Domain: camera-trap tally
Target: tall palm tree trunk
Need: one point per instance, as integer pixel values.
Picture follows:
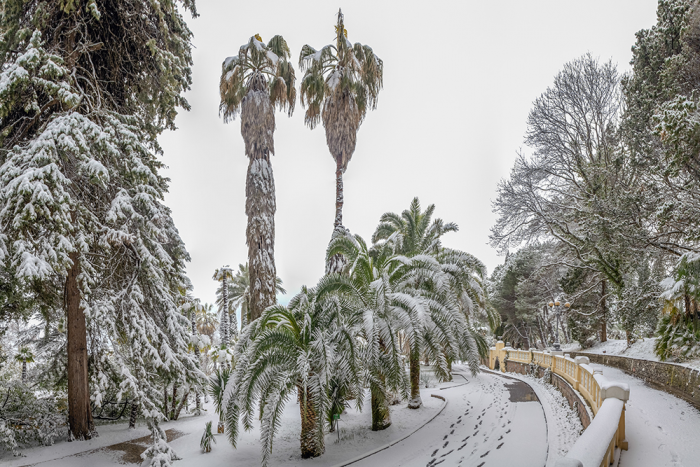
(337, 263)
(260, 234)
(198, 406)
(414, 369)
(338, 195)
(80, 420)
(311, 444)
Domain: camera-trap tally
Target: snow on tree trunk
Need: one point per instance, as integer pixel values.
(311, 444)
(337, 263)
(416, 400)
(24, 371)
(174, 404)
(224, 310)
(257, 128)
(80, 421)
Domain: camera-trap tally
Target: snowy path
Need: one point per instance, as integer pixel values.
(662, 430)
(488, 422)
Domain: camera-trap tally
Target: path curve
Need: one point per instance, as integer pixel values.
(489, 422)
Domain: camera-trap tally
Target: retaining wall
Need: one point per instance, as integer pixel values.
(680, 381)
(575, 400)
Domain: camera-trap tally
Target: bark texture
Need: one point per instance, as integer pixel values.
(604, 317)
(225, 332)
(80, 420)
(312, 445)
(134, 414)
(381, 417)
(257, 128)
(415, 401)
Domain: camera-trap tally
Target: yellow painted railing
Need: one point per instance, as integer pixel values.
(606, 399)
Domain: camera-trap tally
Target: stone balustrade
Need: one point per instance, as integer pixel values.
(606, 433)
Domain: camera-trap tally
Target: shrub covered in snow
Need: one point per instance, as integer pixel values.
(26, 419)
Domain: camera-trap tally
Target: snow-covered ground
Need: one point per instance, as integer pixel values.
(643, 349)
(488, 421)
(563, 425)
(356, 437)
(662, 430)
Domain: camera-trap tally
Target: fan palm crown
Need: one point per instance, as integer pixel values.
(341, 82)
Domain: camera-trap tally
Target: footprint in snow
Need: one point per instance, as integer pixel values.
(445, 445)
(481, 465)
(452, 432)
(485, 454)
(508, 431)
(444, 438)
(499, 446)
(466, 438)
(461, 447)
(447, 453)
(434, 452)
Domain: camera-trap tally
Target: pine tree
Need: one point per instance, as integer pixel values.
(82, 198)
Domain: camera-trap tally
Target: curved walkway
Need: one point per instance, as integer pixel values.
(488, 422)
(662, 430)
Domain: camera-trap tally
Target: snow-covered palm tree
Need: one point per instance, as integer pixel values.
(252, 83)
(449, 281)
(341, 82)
(383, 305)
(224, 275)
(291, 351)
(24, 356)
(239, 296)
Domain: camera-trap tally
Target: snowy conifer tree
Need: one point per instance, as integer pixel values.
(81, 200)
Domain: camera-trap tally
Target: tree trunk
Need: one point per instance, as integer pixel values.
(604, 318)
(312, 445)
(225, 331)
(80, 420)
(415, 401)
(337, 263)
(134, 414)
(260, 234)
(381, 417)
(180, 405)
(165, 401)
(338, 195)
(198, 407)
(174, 404)
(24, 372)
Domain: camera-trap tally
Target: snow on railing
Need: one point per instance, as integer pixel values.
(597, 445)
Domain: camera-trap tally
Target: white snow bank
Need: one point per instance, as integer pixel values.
(641, 349)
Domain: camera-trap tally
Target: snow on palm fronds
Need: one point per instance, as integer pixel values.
(259, 78)
(260, 67)
(291, 351)
(451, 281)
(341, 82)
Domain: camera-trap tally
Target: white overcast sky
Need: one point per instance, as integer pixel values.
(459, 81)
